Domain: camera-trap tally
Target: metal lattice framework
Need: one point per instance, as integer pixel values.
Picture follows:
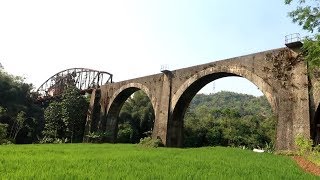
(83, 78)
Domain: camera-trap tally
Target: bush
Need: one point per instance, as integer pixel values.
(97, 137)
(49, 140)
(125, 133)
(3, 133)
(149, 142)
(269, 147)
(304, 145)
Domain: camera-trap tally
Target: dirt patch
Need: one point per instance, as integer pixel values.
(307, 166)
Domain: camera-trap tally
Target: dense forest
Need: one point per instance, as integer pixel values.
(21, 120)
(224, 118)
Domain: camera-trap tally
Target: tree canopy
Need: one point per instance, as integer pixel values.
(307, 15)
(65, 118)
(18, 112)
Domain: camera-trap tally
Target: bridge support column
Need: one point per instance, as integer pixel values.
(92, 114)
(293, 109)
(163, 109)
(293, 120)
(111, 128)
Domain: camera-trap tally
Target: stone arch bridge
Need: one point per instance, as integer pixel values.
(280, 74)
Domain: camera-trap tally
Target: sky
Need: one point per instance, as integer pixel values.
(133, 38)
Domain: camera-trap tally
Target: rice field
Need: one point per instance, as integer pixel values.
(127, 161)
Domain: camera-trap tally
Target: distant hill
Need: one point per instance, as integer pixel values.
(243, 103)
(229, 119)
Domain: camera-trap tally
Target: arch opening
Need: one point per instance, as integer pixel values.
(221, 118)
(130, 116)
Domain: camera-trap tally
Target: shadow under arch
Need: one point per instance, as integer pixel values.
(189, 89)
(316, 128)
(115, 106)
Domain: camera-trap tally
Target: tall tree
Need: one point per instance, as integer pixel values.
(65, 118)
(54, 126)
(18, 124)
(74, 108)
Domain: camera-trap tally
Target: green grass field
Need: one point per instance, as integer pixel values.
(125, 161)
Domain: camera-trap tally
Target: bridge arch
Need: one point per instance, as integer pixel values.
(116, 102)
(186, 92)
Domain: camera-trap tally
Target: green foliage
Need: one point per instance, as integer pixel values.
(127, 161)
(47, 140)
(65, 119)
(269, 147)
(136, 118)
(54, 126)
(125, 133)
(97, 137)
(150, 143)
(307, 15)
(303, 144)
(17, 109)
(74, 108)
(311, 49)
(18, 124)
(229, 119)
(3, 133)
(305, 149)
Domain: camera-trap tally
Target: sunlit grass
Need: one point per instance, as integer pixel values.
(125, 161)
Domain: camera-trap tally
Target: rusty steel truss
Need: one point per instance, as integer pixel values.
(84, 79)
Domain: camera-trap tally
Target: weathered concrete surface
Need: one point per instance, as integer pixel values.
(280, 74)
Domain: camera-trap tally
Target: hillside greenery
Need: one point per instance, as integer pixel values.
(229, 119)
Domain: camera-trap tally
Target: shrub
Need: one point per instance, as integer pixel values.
(269, 147)
(149, 142)
(97, 137)
(3, 132)
(48, 140)
(317, 148)
(304, 145)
